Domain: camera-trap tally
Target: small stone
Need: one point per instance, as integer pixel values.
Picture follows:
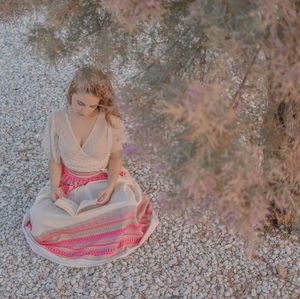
(288, 250)
(176, 292)
(227, 294)
(228, 246)
(143, 288)
(60, 284)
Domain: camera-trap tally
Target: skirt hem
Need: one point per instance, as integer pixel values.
(79, 262)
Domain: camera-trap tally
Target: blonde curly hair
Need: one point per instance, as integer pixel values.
(89, 79)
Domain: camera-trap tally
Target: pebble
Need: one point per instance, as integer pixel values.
(288, 250)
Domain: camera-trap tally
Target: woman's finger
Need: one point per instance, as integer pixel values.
(54, 197)
(62, 193)
(102, 199)
(105, 199)
(101, 194)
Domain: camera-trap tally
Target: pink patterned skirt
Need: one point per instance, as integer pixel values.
(69, 180)
(95, 237)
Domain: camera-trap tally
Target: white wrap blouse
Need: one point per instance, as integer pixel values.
(59, 142)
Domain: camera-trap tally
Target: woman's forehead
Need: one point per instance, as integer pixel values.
(87, 98)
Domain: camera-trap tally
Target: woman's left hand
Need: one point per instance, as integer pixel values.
(105, 195)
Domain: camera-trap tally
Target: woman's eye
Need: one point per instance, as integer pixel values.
(80, 103)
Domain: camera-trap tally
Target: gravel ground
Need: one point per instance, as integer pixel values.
(179, 260)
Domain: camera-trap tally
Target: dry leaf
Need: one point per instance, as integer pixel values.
(282, 271)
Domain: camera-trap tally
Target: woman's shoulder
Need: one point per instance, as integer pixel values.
(58, 115)
(116, 121)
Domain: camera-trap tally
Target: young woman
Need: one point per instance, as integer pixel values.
(84, 142)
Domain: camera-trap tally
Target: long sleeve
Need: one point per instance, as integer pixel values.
(118, 135)
(50, 140)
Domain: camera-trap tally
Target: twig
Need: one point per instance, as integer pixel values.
(235, 101)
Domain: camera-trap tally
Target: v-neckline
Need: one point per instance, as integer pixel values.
(72, 132)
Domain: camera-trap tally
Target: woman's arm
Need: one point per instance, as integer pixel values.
(114, 167)
(55, 173)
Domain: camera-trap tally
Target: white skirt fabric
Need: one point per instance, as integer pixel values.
(94, 237)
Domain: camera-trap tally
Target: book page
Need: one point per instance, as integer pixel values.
(68, 205)
(88, 204)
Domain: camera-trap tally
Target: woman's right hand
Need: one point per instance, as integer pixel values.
(57, 193)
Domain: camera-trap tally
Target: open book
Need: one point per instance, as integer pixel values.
(73, 208)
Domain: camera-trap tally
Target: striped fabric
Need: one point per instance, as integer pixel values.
(69, 179)
(100, 236)
(94, 238)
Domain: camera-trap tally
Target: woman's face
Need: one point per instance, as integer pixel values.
(84, 104)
